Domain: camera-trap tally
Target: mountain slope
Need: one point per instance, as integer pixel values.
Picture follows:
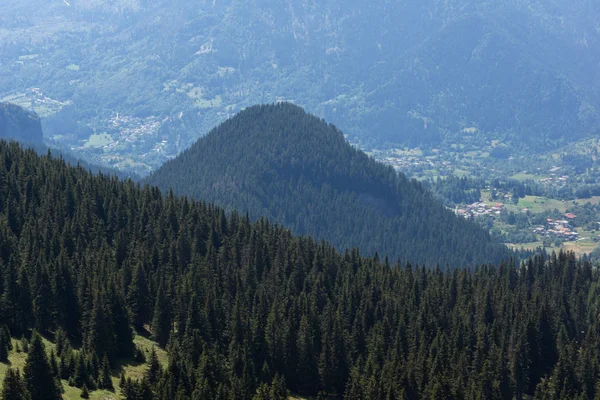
(19, 124)
(404, 72)
(279, 162)
(246, 310)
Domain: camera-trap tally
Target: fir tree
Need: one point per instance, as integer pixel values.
(161, 320)
(105, 378)
(13, 387)
(84, 392)
(154, 369)
(138, 298)
(37, 373)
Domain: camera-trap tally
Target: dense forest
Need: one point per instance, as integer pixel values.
(248, 311)
(19, 124)
(279, 162)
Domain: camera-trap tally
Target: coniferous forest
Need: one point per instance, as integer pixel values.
(246, 310)
(279, 162)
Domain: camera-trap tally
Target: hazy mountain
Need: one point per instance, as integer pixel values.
(278, 162)
(19, 124)
(133, 82)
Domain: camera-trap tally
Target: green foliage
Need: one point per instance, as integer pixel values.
(276, 161)
(40, 382)
(5, 343)
(84, 393)
(105, 380)
(13, 387)
(255, 312)
(161, 320)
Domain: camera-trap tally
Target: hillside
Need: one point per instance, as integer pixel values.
(134, 82)
(247, 311)
(278, 162)
(19, 124)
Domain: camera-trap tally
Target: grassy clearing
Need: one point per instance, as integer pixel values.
(72, 393)
(521, 176)
(591, 200)
(580, 247)
(131, 369)
(541, 204)
(98, 140)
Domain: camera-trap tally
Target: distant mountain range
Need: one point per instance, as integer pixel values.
(131, 82)
(276, 161)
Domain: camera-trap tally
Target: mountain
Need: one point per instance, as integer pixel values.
(242, 310)
(134, 82)
(278, 162)
(19, 124)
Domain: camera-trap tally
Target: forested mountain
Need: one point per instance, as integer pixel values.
(248, 311)
(19, 124)
(278, 162)
(133, 82)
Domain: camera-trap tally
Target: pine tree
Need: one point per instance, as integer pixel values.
(13, 387)
(24, 313)
(105, 379)
(4, 347)
(62, 341)
(80, 373)
(42, 299)
(122, 380)
(100, 337)
(161, 321)
(84, 392)
(138, 298)
(154, 369)
(37, 373)
(122, 326)
(278, 389)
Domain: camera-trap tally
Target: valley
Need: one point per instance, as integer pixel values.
(529, 188)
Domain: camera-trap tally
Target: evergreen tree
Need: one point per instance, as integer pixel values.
(84, 392)
(13, 387)
(37, 373)
(4, 347)
(154, 369)
(161, 320)
(105, 378)
(138, 298)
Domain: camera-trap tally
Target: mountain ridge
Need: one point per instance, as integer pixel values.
(279, 162)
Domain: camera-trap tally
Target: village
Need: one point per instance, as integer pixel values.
(558, 229)
(132, 129)
(480, 209)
